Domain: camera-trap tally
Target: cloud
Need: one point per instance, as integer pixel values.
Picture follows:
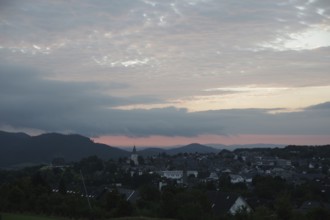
(76, 65)
(321, 106)
(30, 101)
(311, 38)
(110, 37)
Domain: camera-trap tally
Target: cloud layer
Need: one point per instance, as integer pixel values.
(168, 68)
(30, 101)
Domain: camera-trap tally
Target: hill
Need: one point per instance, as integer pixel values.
(210, 148)
(192, 148)
(151, 151)
(21, 149)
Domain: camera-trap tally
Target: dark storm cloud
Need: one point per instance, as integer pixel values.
(28, 100)
(262, 121)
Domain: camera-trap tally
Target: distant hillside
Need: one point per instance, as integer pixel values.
(211, 148)
(20, 148)
(243, 146)
(148, 152)
(191, 148)
(257, 146)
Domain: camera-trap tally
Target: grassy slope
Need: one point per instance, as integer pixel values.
(140, 218)
(9, 216)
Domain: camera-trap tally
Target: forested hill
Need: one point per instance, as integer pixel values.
(293, 151)
(22, 149)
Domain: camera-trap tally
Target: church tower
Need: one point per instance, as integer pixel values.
(134, 156)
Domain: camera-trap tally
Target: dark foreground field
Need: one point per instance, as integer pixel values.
(9, 216)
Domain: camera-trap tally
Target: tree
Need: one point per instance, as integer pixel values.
(15, 198)
(318, 214)
(62, 186)
(90, 165)
(224, 182)
(283, 207)
(263, 213)
(169, 205)
(141, 160)
(112, 200)
(243, 214)
(124, 208)
(267, 187)
(111, 166)
(191, 211)
(38, 180)
(149, 193)
(149, 202)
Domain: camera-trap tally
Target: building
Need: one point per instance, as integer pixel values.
(236, 178)
(134, 156)
(180, 176)
(227, 203)
(172, 174)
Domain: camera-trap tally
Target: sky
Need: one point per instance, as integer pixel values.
(167, 72)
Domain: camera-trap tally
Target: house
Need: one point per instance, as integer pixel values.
(178, 174)
(309, 205)
(161, 185)
(130, 195)
(213, 176)
(192, 173)
(248, 177)
(283, 163)
(227, 203)
(236, 178)
(172, 174)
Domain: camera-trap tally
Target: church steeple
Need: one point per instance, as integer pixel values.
(134, 156)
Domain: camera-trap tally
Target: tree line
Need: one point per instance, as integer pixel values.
(31, 190)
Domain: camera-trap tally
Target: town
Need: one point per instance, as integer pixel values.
(260, 183)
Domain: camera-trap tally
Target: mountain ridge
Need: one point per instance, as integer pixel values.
(21, 148)
(16, 148)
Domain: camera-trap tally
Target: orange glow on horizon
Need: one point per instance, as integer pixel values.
(162, 141)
